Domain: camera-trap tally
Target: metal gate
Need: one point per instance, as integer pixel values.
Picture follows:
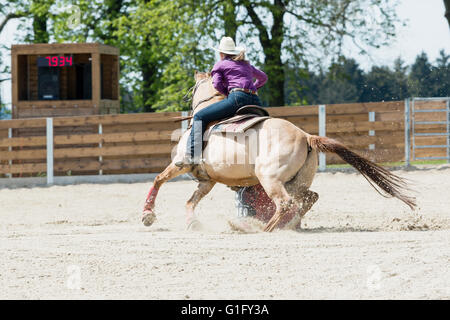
(438, 128)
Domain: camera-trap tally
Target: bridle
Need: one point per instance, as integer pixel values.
(194, 90)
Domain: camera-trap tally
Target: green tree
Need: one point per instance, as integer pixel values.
(420, 78)
(447, 10)
(25, 10)
(4, 112)
(301, 31)
(40, 14)
(385, 84)
(83, 20)
(342, 82)
(400, 91)
(160, 41)
(380, 85)
(12, 9)
(298, 85)
(440, 76)
(229, 18)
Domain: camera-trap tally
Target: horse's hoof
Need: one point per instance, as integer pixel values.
(194, 225)
(148, 218)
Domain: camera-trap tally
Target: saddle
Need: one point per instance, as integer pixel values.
(244, 118)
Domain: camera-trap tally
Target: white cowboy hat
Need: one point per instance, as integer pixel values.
(227, 46)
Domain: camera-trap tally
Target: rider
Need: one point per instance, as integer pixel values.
(232, 76)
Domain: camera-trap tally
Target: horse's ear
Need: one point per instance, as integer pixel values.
(209, 74)
(196, 74)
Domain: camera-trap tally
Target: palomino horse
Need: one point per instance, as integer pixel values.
(285, 166)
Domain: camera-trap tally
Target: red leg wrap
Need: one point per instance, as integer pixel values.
(150, 202)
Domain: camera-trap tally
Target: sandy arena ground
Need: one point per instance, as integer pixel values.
(87, 242)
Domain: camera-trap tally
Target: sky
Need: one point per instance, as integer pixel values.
(426, 31)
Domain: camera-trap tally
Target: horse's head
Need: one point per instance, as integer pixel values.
(201, 75)
(204, 93)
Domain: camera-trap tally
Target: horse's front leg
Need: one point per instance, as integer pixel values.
(172, 171)
(203, 189)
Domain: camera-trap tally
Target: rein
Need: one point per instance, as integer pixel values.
(204, 100)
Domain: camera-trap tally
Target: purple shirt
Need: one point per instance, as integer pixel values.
(228, 74)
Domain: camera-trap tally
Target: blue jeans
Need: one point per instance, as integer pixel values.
(219, 110)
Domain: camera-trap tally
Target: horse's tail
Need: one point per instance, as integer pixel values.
(386, 180)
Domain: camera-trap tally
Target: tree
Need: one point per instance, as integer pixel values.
(380, 85)
(343, 83)
(298, 86)
(10, 12)
(159, 44)
(160, 41)
(40, 15)
(229, 18)
(420, 80)
(440, 76)
(400, 91)
(4, 112)
(36, 10)
(301, 31)
(84, 20)
(447, 10)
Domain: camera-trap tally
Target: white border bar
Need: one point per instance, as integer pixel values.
(49, 151)
(185, 123)
(407, 132)
(322, 133)
(10, 135)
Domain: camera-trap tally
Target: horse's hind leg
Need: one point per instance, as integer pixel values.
(307, 201)
(203, 188)
(169, 173)
(284, 202)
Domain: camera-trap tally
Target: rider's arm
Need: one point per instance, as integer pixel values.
(218, 79)
(261, 77)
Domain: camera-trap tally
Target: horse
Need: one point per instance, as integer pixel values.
(284, 164)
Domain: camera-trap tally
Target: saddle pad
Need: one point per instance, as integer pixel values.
(237, 124)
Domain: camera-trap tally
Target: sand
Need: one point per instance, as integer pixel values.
(87, 242)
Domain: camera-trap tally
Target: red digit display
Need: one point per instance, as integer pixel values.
(55, 61)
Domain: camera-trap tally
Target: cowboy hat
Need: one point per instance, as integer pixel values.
(227, 46)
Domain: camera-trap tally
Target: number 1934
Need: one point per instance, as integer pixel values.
(59, 61)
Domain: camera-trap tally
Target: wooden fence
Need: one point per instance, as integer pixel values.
(134, 143)
(142, 143)
(375, 130)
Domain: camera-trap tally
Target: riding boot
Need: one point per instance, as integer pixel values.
(187, 161)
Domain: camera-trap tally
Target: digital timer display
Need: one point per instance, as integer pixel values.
(54, 61)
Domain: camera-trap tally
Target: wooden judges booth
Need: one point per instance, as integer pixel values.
(76, 79)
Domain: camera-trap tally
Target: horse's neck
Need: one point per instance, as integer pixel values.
(205, 93)
(208, 103)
